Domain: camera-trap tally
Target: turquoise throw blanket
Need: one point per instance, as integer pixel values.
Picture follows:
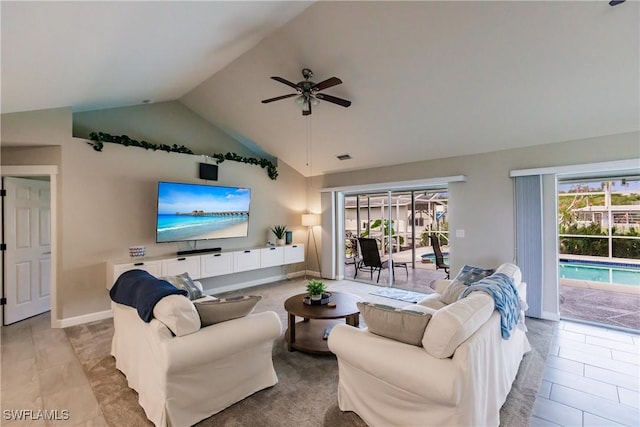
(504, 293)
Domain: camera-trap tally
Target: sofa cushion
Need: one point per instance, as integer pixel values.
(453, 324)
(420, 309)
(221, 310)
(405, 325)
(183, 281)
(439, 285)
(512, 271)
(452, 292)
(178, 314)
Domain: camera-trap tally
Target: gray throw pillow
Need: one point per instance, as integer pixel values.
(183, 281)
(467, 275)
(221, 310)
(402, 325)
(470, 274)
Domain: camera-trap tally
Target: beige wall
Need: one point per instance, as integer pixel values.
(107, 200)
(42, 127)
(179, 125)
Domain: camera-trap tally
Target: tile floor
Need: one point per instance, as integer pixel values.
(40, 371)
(592, 377)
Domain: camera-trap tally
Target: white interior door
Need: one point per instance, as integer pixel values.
(27, 231)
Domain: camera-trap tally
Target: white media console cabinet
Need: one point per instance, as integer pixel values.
(212, 264)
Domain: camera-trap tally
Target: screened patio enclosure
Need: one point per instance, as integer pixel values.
(401, 223)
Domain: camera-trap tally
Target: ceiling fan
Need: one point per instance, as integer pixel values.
(307, 92)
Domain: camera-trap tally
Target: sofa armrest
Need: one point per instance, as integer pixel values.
(405, 366)
(222, 339)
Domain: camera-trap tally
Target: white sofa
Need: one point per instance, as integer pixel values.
(181, 380)
(460, 376)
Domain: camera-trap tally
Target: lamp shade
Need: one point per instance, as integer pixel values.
(309, 220)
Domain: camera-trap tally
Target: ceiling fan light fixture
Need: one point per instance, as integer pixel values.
(308, 92)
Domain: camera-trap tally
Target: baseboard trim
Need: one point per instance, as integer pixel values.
(252, 283)
(79, 320)
(314, 274)
(547, 315)
(295, 274)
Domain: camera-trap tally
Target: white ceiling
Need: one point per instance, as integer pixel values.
(427, 79)
(93, 55)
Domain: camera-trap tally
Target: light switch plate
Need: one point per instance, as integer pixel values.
(460, 234)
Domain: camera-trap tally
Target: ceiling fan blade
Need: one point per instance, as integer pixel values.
(333, 99)
(278, 98)
(333, 81)
(287, 82)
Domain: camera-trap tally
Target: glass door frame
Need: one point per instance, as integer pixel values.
(388, 216)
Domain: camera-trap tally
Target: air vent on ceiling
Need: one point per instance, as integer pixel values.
(343, 157)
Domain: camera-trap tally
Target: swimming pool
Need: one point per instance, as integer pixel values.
(603, 272)
(432, 257)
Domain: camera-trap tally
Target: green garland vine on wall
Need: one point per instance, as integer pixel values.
(99, 138)
(272, 170)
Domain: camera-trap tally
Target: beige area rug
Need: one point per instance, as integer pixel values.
(306, 392)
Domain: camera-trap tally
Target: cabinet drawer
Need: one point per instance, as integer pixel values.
(270, 257)
(216, 264)
(175, 266)
(246, 260)
(152, 267)
(294, 253)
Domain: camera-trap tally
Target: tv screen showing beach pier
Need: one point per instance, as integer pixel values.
(200, 212)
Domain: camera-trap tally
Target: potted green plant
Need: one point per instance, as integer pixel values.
(316, 289)
(280, 232)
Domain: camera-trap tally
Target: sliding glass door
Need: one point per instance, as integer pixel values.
(400, 222)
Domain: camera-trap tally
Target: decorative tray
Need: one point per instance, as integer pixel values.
(325, 299)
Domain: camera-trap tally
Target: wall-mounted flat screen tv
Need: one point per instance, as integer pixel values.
(201, 212)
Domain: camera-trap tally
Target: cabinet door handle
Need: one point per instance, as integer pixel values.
(217, 255)
(181, 259)
(247, 252)
(137, 264)
(272, 249)
(294, 246)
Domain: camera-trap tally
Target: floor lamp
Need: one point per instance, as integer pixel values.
(310, 221)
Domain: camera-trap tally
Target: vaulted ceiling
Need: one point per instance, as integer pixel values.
(427, 80)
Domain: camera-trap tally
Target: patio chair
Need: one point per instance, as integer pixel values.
(440, 264)
(353, 245)
(370, 259)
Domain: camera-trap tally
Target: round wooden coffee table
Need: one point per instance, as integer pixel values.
(307, 335)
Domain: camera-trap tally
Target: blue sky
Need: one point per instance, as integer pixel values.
(632, 186)
(176, 197)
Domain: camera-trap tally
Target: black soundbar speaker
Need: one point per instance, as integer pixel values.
(208, 172)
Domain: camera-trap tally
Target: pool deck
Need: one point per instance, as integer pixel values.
(600, 259)
(617, 309)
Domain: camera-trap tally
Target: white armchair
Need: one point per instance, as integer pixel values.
(459, 376)
(181, 380)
